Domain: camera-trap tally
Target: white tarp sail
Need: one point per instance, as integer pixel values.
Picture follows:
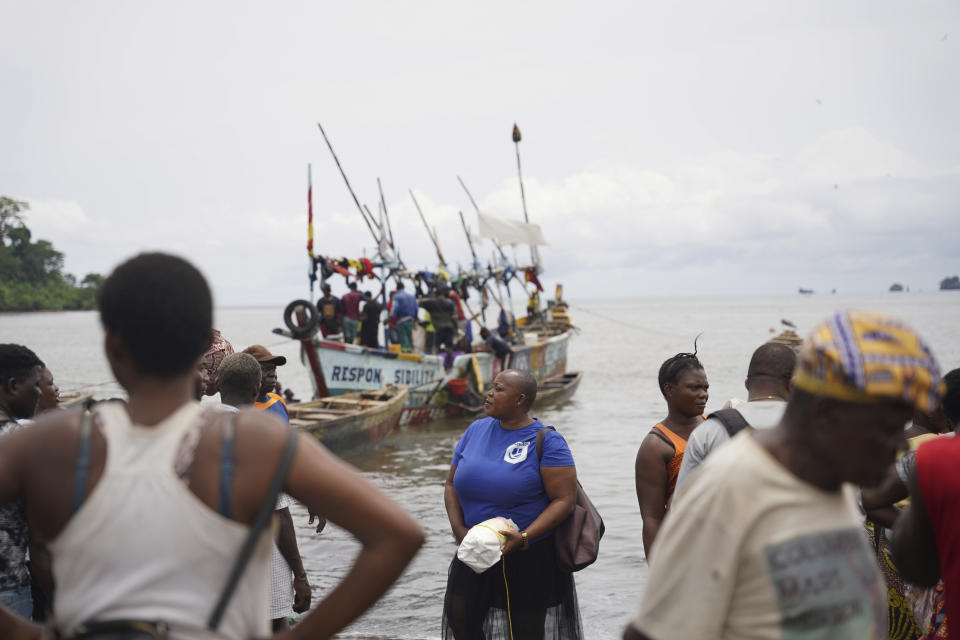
(510, 232)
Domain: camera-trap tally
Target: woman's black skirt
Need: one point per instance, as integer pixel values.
(542, 599)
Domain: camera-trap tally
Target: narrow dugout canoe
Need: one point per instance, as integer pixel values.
(557, 389)
(351, 420)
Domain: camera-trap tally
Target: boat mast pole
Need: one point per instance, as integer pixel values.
(347, 182)
(466, 231)
(495, 243)
(523, 198)
(386, 215)
(476, 267)
(432, 234)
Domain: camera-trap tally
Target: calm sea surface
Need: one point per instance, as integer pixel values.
(620, 347)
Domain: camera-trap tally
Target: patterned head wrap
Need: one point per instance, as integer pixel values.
(219, 349)
(857, 356)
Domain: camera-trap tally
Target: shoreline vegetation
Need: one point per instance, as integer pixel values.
(31, 271)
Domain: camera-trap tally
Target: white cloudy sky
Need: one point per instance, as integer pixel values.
(694, 147)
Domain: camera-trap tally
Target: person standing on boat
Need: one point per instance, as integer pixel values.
(267, 400)
(496, 472)
(443, 317)
(768, 387)
(500, 348)
(145, 505)
(370, 328)
(683, 383)
(239, 384)
(767, 542)
(351, 313)
(331, 312)
(463, 323)
(21, 372)
(404, 314)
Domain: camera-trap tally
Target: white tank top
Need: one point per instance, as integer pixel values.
(142, 546)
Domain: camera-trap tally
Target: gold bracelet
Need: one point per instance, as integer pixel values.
(526, 541)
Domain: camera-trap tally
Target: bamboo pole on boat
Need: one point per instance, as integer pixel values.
(386, 215)
(346, 181)
(432, 234)
(534, 256)
(494, 240)
(466, 231)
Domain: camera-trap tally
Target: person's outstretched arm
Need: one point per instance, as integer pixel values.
(287, 545)
(914, 546)
(390, 537)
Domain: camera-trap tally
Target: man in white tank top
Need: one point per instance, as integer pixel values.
(145, 513)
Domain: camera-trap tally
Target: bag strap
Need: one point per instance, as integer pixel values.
(226, 464)
(83, 463)
(540, 435)
(731, 419)
(259, 523)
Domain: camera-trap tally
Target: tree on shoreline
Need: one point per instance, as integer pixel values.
(31, 272)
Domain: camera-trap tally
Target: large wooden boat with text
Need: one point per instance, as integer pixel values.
(434, 391)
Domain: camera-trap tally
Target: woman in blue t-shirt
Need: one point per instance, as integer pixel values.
(496, 472)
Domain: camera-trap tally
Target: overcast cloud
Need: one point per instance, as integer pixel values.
(669, 148)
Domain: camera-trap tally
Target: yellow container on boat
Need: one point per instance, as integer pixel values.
(395, 348)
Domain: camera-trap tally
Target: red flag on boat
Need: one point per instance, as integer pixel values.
(309, 211)
(516, 132)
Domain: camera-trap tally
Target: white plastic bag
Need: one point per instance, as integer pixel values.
(480, 548)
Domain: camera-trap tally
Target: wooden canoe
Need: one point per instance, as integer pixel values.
(351, 420)
(557, 389)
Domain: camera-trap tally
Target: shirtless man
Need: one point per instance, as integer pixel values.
(683, 383)
(130, 542)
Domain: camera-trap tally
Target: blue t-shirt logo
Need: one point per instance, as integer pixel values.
(517, 452)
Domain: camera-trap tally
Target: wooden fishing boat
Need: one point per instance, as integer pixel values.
(351, 420)
(557, 389)
(349, 368)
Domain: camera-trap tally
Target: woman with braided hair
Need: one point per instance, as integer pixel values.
(683, 383)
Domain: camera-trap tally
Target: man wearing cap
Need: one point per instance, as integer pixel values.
(768, 541)
(268, 400)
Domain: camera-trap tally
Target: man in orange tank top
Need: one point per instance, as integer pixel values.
(683, 383)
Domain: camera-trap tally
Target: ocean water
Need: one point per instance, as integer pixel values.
(619, 347)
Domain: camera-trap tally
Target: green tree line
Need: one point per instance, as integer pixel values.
(31, 271)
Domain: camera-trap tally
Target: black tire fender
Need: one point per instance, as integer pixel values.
(312, 318)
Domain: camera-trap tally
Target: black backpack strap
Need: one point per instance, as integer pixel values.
(540, 435)
(263, 516)
(731, 419)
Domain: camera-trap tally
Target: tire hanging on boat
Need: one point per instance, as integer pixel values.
(311, 318)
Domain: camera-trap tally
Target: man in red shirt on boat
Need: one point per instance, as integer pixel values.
(351, 313)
